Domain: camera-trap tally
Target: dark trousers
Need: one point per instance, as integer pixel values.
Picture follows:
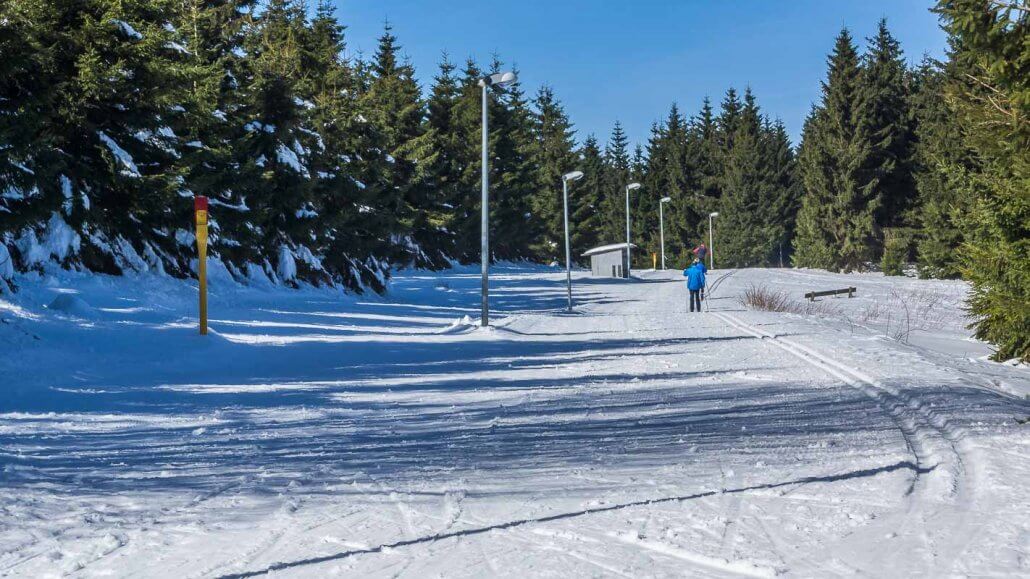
(695, 298)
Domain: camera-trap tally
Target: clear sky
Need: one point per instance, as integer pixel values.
(630, 60)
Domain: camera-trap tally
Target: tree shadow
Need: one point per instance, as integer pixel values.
(861, 473)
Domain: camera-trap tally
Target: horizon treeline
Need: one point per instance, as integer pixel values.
(330, 169)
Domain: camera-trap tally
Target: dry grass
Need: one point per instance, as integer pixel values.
(767, 300)
(901, 315)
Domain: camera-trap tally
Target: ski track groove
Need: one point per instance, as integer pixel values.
(923, 431)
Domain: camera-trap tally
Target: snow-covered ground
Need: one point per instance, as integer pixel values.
(316, 434)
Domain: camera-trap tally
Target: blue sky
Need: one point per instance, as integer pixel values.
(631, 60)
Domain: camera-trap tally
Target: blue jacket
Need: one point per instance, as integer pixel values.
(695, 275)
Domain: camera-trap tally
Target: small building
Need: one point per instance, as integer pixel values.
(609, 260)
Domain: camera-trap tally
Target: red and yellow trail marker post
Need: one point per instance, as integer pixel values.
(654, 260)
(200, 212)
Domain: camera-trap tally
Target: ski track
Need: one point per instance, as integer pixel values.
(627, 439)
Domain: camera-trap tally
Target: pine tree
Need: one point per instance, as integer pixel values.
(617, 167)
(346, 250)
(513, 224)
(786, 195)
(666, 176)
(941, 199)
(729, 117)
(466, 123)
(836, 222)
(447, 142)
(751, 193)
(273, 194)
(93, 149)
(585, 199)
(212, 121)
(884, 116)
(393, 106)
(553, 156)
(991, 101)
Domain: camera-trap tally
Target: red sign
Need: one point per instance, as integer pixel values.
(200, 203)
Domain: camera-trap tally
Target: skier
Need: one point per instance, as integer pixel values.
(695, 275)
(701, 251)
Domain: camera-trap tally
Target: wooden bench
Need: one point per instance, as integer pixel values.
(848, 290)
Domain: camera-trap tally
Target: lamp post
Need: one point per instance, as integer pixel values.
(500, 79)
(565, 180)
(711, 240)
(661, 225)
(629, 256)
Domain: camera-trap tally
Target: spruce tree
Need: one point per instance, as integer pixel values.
(94, 150)
(585, 199)
(447, 142)
(273, 195)
(786, 189)
(941, 200)
(885, 118)
(991, 102)
(553, 156)
(466, 123)
(836, 222)
(216, 65)
(400, 151)
(616, 176)
(513, 172)
(346, 249)
(745, 210)
(667, 176)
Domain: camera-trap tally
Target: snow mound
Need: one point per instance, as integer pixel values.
(460, 326)
(70, 304)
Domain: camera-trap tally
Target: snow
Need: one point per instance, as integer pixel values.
(289, 157)
(241, 206)
(129, 166)
(59, 242)
(66, 190)
(6, 262)
(185, 238)
(127, 29)
(315, 433)
(606, 249)
(287, 266)
(255, 126)
(177, 47)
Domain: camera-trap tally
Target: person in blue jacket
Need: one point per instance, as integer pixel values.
(695, 275)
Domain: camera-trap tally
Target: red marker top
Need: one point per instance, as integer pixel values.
(200, 203)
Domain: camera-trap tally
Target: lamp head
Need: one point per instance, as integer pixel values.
(713, 214)
(666, 199)
(499, 79)
(633, 186)
(573, 176)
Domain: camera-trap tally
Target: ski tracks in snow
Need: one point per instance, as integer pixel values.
(946, 474)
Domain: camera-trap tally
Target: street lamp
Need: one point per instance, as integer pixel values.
(565, 180)
(711, 240)
(500, 79)
(629, 257)
(661, 225)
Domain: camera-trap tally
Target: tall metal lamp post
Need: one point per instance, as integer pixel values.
(500, 79)
(629, 256)
(661, 225)
(711, 240)
(565, 180)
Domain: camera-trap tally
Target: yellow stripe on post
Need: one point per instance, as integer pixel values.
(200, 211)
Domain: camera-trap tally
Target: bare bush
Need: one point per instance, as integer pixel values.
(765, 299)
(915, 312)
(903, 313)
